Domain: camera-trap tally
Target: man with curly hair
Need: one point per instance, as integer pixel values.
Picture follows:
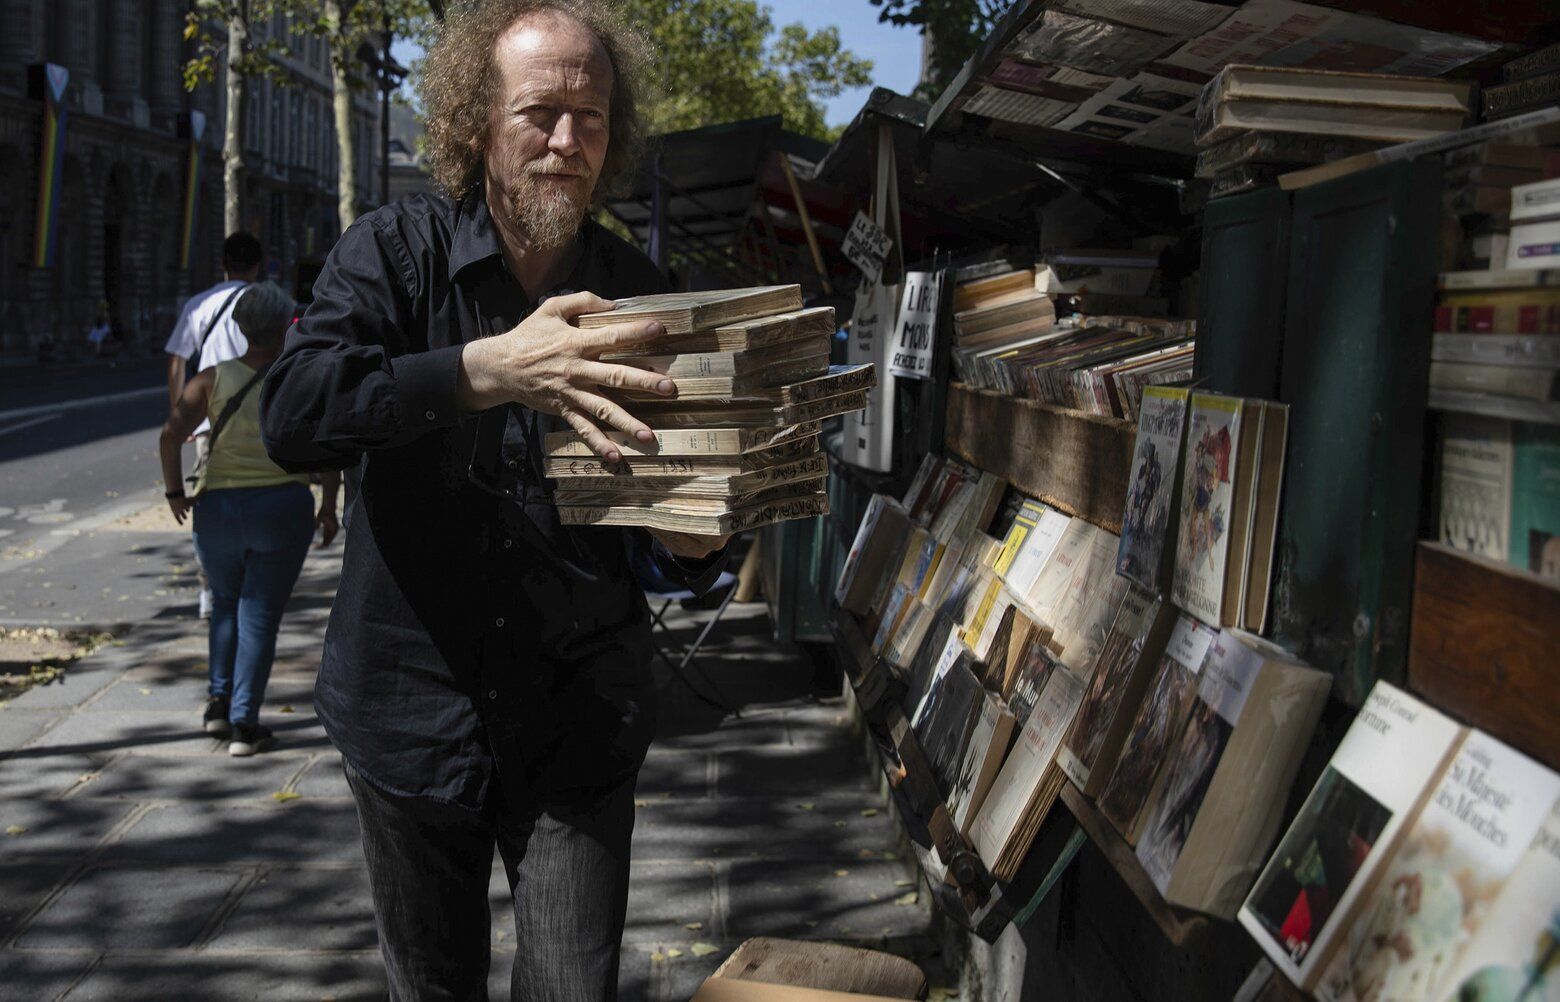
(486, 669)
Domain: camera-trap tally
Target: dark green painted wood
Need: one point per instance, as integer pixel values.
(1245, 272)
(1354, 371)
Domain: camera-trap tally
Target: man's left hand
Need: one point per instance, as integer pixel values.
(689, 545)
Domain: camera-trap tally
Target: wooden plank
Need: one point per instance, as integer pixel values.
(1180, 927)
(826, 966)
(1245, 270)
(1077, 462)
(1482, 646)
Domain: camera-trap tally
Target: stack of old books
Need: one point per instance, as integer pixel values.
(737, 447)
(1256, 122)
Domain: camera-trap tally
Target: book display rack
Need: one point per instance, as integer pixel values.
(1238, 552)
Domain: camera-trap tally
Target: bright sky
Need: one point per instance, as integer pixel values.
(895, 52)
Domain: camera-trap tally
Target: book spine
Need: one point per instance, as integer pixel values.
(1500, 380)
(859, 378)
(1532, 92)
(1545, 60)
(1497, 349)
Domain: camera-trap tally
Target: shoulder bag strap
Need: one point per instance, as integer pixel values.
(230, 408)
(211, 325)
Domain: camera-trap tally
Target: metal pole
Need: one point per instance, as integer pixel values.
(384, 116)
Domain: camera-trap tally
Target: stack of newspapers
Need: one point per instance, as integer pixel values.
(737, 446)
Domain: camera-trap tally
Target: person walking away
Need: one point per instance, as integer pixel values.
(206, 335)
(486, 670)
(253, 521)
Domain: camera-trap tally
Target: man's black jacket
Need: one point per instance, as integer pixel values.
(471, 633)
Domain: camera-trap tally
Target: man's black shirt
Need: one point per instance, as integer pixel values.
(470, 632)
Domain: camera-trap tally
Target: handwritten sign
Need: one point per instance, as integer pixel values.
(915, 332)
(866, 246)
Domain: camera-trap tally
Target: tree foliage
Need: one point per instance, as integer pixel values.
(956, 28)
(724, 60)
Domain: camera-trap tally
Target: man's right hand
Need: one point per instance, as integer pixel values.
(549, 365)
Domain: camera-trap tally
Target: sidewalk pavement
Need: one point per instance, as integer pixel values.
(138, 860)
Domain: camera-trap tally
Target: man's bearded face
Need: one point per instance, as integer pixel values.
(548, 131)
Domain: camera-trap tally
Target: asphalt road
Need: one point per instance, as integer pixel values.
(78, 455)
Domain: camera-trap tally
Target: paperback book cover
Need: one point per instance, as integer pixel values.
(983, 756)
(1122, 673)
(1373, 786)
(1438, 888)
(1207, 505)
(1036, 550)
(870, 554)
(1157, 726)
(1155, 462)
(948, 717)
(1218, 803)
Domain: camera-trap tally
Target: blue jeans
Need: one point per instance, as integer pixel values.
(252, 542)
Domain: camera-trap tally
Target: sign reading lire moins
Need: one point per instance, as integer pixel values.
(867, 246)
(915, 333)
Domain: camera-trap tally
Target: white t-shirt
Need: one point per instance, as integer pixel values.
(225, 342)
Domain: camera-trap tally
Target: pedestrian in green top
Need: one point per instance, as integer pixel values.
(253, 521)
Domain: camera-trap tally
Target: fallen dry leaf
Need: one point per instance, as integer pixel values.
(842, 873)
(805, 806)
(693, 926)
(282, 796)
(907, 899)
(870, 812)
(144, 692)
(704, 949)
(674, 953)
(14, 830)
(287, 709)
(657, 958)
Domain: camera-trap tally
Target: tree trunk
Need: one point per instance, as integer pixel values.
(233, 119)
(341, 103)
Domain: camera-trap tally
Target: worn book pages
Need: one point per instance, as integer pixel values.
(707, 524)
(754, 334)
(714, 441)
(686, 312)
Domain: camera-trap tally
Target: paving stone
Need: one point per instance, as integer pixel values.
(132, 908)
(648, 974)
(22, 886)
(670, 771)
(154, 733)
(56, 827)
(46, 776)
(186, 695)
(664, 897)
(297, 831)
(78, 684)
(191, 778)
(704, 729)
(186, 974)
(847, 901)
(303, 909)
(783, 771)
(778, 827)
(324, 778)
(17, 727)
(29, 976)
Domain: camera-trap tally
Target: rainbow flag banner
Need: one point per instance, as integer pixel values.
(51, 164)
(197, 129)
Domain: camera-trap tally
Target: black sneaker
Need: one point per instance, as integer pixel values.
(216, 719)
(248, 739)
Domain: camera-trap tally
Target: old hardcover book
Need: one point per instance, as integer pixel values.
(1461, 851)
(697, 414)
(1221, 797)
(754, 384)
(1156, 726)
(754, 334)
(686, 312)
(983, 756)
(920, 487)
(1263, 536)
(1365, 90)
(1519, 381)
(884, 522)
(753, 364)
(825, 381)
(705, 465)
(1122, 673)
(984, 291)
(723, 486)
(1150, 510)
(702, 523)
(1381, 124)
(1028, 782)
(1215, 506)
(690, 442)
(1370, 792)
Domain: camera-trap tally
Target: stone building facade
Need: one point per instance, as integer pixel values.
(122, 195)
